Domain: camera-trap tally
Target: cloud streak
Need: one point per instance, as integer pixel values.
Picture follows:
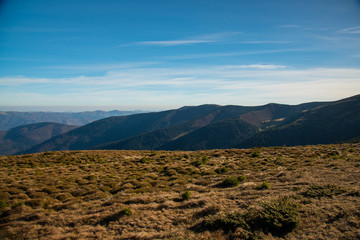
(250, 84)
(202, 39)
(173, 42)
(352, 30)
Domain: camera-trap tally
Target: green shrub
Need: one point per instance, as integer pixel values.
(186, 196)
(277, 217)
(255, 155)
(145, 160)
(230, 182)
(226, 222)
(205, 159)
(199, 162)
(264, 185)
(318, 191)
(3, 204)
(221, 170)
(125, 212)
(241, 178)
(18, 204)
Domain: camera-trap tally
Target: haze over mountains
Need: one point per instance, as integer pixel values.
(208, 127)
(24, 137)
(11, 119)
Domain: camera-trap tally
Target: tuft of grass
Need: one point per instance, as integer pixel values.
(328, 190)
(255, 155)
(3, 204)
(277, 217)
(241, 178)
(264, 185)
(116, 216)
(230, 182)
(125, 212)
(226, 221)
(145, 160)
(186, 196)
(221, 170)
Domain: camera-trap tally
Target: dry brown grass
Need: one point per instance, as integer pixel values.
(88, 194)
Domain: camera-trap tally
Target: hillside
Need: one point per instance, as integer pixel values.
(116, 128)
(219, 135)
(214, 126)
(310, 192)
(13, 119)
(152, 130)
(24, 137)
(336, 122)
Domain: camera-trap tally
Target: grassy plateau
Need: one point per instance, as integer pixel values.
(304, 192)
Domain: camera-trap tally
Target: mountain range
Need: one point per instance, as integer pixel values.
(216, 127)
(24, 137)
(13, 119)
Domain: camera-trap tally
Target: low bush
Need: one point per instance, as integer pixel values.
(230, 182)
(221, 170)
(255, 155)
(277, 217)
(186, 196)
(3, 204)
(199, 162)
(226, 222)
(125, 212)
(145, 160)
(241, 178)
(264, 185)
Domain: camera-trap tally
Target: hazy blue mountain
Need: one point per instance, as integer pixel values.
(23, 137)
(154, 130)
(117, 128)
(13, 119)
(214, 126)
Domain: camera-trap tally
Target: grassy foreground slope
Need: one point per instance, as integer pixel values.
(309, 192)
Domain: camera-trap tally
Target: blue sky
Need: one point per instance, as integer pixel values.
(159, 54)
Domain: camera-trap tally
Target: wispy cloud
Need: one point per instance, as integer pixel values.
(263, 42)
(238, 53)
(243, 84)
(172, 42)
(100, 67)
(200, 39)
(256, 66)
(219, 35)
(352, 30)
(21, 81)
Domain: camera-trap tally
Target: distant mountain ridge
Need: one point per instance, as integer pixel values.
(258, 117)
(24, 137)
(155, 130)
(11, 119)
(214, 126)
(335, 122)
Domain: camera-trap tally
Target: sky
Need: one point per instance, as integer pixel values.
(75, 55)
